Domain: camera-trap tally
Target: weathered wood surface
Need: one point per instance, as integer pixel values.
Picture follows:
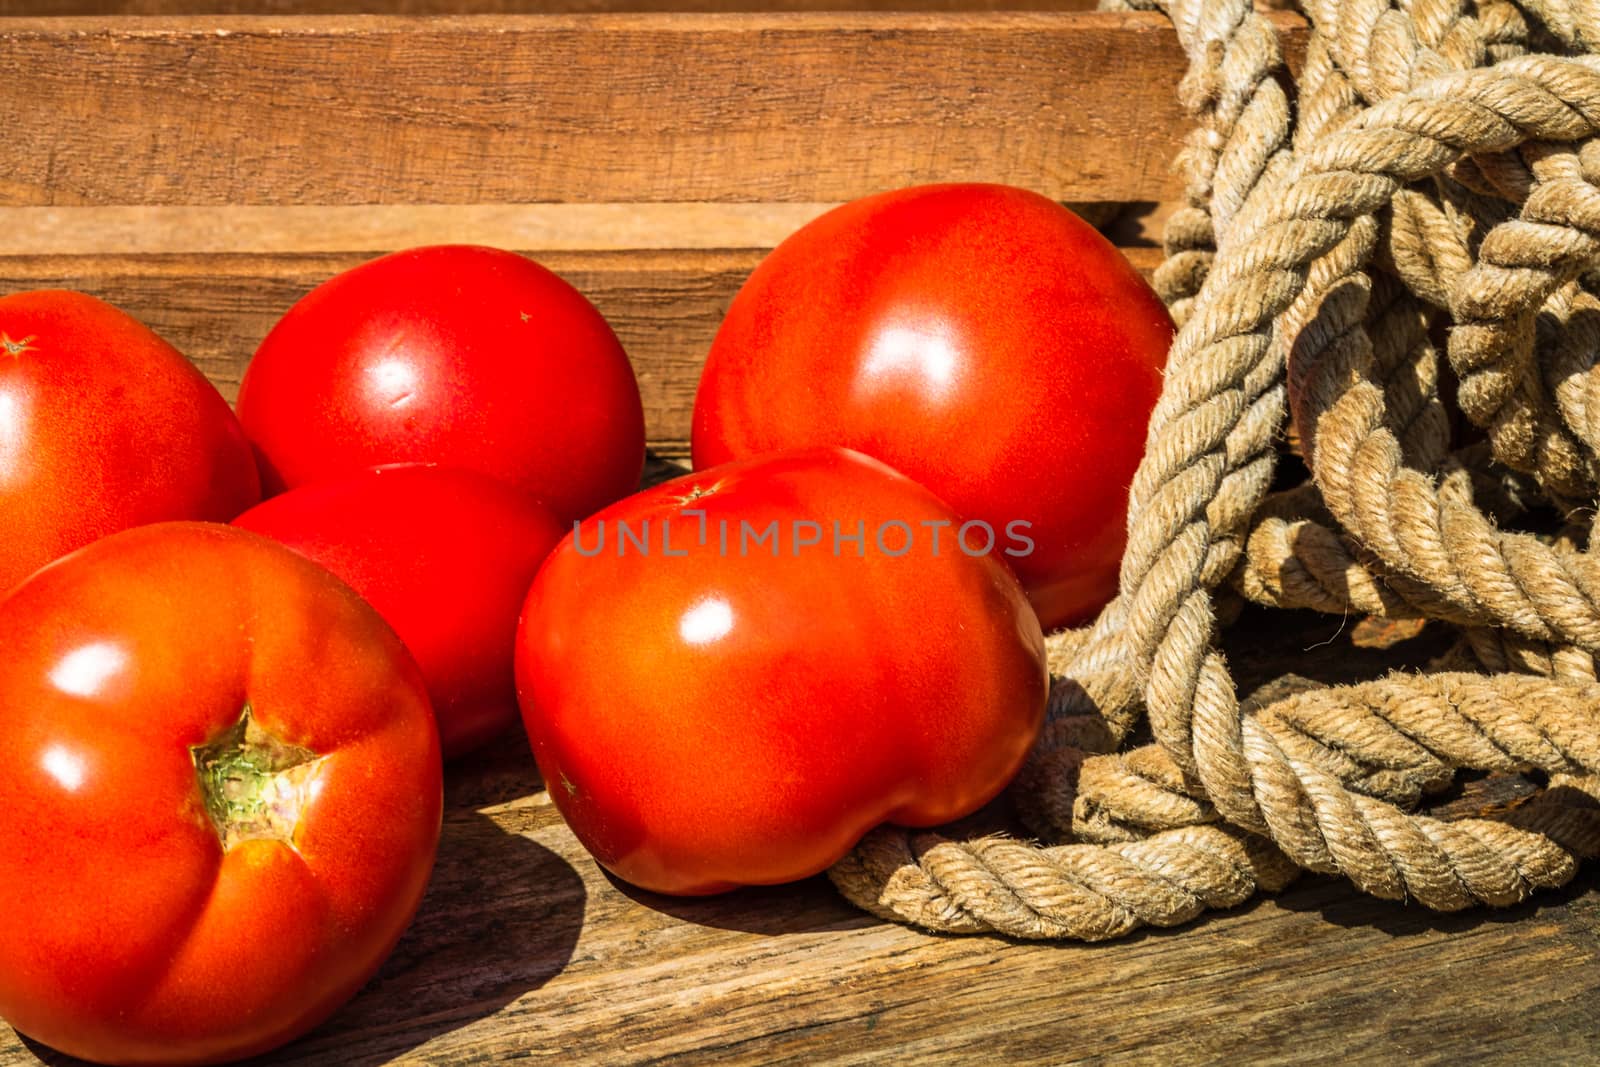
(221, 176)
(523, 950)
(803, 108)
(504, 7)
(664, 306)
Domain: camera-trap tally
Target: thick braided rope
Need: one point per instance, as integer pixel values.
(1399, 740)
(1521, 263)
(1130, 796)
(1241, 122)
(1296, 556)
(1574, 23)
(1244, 125)
(1295, 559)
(1168, 613)
(1082, 892)
(1387, 53)
(1499, 652)
(1466, 875)
(1189, 697)
(1404, 724)
(1398, 513)
(1568, 329)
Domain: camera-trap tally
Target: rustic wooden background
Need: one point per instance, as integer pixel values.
(207, 162)
(205, 171)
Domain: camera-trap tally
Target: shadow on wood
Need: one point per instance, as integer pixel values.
(501, 772)
(501, 919)
(1335, 901)
(806, 907)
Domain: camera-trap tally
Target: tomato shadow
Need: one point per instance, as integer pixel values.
(499, 772)
(501, 918)
(658, 469)
(1337, 902)
(811, 905)
(805, 907)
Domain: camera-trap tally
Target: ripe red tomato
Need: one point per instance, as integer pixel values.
(221, 801)
(103, 426)
(724, 687)
(446, 557)
(462, 356)
(980, 339)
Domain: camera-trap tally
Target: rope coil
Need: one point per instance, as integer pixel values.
(1428, 212)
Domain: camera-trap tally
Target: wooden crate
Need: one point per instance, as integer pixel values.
(203, 164)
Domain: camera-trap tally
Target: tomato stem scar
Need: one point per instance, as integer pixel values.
(695, 493)
(254, 784)
(16, 348)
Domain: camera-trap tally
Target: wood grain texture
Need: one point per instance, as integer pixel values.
(504, 7)
(664, 304)
(228, 229)
(800, 108)
(523, 950)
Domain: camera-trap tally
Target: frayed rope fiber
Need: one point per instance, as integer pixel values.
(1427, 210)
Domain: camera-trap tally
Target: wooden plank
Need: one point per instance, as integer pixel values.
(523, 950)
(504, 7)
(228, 229)
(798, 108)
(665, 305)
(213, 230)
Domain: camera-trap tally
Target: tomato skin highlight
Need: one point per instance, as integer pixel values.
(446, 556)
(103, 426)
(980, 339)
(128, 934)
(715, 718)
(457, 355)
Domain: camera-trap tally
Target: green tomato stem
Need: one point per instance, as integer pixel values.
(255, 786)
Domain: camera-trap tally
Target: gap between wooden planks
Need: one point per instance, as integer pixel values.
(776, 107)
(503, 7)
(220, 230)
(226, 229)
